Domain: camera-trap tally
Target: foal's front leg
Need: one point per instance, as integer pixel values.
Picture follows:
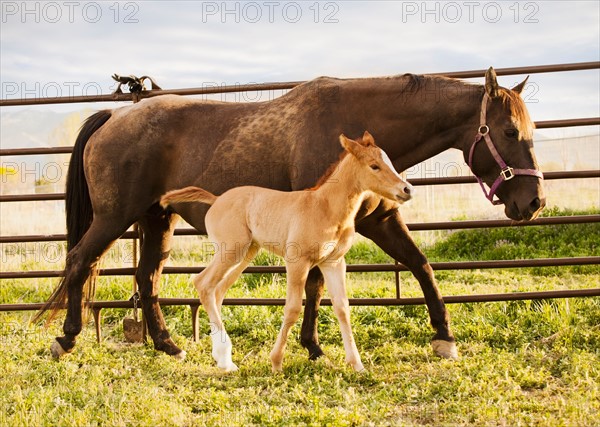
(335, 280)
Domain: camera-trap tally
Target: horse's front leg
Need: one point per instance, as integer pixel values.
(391, 234)
(335, 279)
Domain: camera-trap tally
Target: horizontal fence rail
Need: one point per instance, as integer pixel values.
(392, 268)
(419, 226)
(548, 176)
(579, 66)
(351, 268)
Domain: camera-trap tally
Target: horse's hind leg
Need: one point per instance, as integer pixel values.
(309, 336)
(80, 262)
(157, 228)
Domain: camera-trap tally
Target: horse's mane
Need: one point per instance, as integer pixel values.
(330, 171)
(417, 82)
(510, 99)
(518, 111)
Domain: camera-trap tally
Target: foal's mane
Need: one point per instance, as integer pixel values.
(330, 171)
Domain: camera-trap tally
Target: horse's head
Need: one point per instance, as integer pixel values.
(502, 155)
(375, 171)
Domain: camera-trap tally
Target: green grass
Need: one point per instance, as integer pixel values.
(523, 363)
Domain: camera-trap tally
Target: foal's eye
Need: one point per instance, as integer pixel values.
(511, 133)
(375, 167)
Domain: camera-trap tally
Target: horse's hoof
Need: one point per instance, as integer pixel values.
(315, 352)
(57, 350)
(445, 349)
(181, 355)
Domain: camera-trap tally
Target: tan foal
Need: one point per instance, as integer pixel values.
(310, 228)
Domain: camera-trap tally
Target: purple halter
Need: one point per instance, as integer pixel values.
(506, 172)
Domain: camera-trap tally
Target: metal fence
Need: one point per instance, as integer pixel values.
(97, 306)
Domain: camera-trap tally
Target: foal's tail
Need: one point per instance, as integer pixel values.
(78, 206)
(188, 194)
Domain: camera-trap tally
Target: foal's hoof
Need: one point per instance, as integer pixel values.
(57, 350)
(445, 349)
(181, 355)
(230, 367)
(359, 368)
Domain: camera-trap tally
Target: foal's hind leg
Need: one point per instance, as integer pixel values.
(212, 284)
(234, 274)
(296, 278)
(158, 229)
(206, 283)
(80, 262)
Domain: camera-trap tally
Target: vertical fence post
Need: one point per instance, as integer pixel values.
(397, 278)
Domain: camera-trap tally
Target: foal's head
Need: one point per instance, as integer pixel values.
(375, 171)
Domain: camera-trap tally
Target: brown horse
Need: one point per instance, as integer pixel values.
(125, 159)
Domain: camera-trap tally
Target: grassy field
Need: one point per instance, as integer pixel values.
(522, 363)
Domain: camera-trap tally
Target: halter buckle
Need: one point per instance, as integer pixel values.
(483, 130)
(507, 173)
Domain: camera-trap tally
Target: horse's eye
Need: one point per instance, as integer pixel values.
(375, 167)
(511, 133)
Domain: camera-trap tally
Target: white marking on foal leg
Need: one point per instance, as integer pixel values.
(221, 350)
(57, 350)
(445, 349)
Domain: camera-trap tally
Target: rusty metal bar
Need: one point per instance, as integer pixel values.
(563, 123)
(284, 85)
(536, 69)
(450, 299)
(352, 268)
(416, 182)
(35, 151)
(418, 226)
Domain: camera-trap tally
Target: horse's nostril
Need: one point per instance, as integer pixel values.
(408, 190)
(535, 204)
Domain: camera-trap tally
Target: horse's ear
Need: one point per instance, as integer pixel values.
(368, 140)
(519, 88)
(491, 83)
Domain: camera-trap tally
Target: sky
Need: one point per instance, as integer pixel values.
(73, 47)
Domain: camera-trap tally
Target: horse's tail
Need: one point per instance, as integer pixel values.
(188, 194)
(78, 206)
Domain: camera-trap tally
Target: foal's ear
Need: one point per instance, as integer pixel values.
(491, 83)
(350, 145)
(367, 140)
(519, 88)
